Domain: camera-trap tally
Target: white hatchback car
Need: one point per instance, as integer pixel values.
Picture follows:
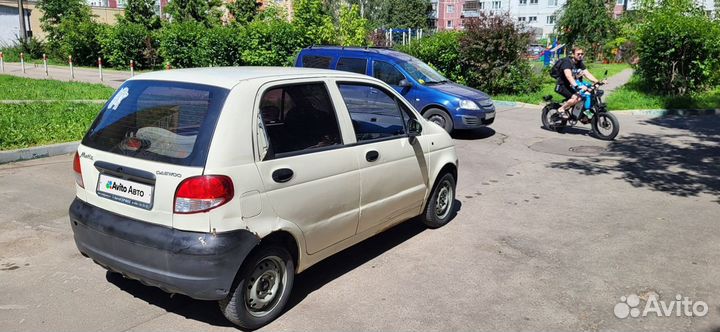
(223, 183)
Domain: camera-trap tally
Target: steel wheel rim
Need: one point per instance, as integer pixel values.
(438, 119)
(265, 286)
(443, 202)
(604, 123)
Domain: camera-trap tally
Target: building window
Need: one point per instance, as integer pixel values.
(449, 24)
(551, 19)
(532, 19)
(521, 19)
(450, 9)
(553, 3)
(496, 4)
(533, 2)
(481, 5)
(620, 2)
(523, 2)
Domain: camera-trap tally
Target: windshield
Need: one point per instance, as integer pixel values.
(422, 73)
(169, 122)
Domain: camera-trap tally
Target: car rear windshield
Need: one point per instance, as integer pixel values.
(169, 122)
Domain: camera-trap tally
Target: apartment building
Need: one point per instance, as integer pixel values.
(540, 16)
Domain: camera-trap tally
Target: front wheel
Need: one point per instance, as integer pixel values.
(605, 126)
(262, 288)
(441, 203)
(440, 117)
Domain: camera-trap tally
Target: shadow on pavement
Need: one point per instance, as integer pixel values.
(480, 133)
(306, 282)
(683, 163)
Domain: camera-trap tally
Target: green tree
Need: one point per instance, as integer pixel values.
(679, 49)
(312, 17)
(586, 23)
(352, 30)
(203, 11)
(142, 12)
(404, 14)
(243, 11)
(54, 12)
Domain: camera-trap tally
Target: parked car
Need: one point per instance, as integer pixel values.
(450, 105)
(223, 183)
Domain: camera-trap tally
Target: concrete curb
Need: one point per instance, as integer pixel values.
(38, 152)
(503, 103)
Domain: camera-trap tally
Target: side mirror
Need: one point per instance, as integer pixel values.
(404, 83)
(414, 128)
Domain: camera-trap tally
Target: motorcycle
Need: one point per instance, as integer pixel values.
(604, 124)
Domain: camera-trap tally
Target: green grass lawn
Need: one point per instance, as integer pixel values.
(26, 125)
(634, 96)
(548, 86)
(20, 88)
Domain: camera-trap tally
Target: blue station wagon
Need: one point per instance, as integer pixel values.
(448, 104)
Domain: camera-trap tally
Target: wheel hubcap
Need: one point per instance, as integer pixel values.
(444, 200)
(438, 120)
(265, 286)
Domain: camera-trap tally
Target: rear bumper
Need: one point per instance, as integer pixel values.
(199, 265)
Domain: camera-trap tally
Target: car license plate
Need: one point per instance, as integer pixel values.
(125, 191)
(489, 115)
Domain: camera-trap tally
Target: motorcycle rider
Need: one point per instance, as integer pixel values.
(569, 84)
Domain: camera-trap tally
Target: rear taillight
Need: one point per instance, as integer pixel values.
(78, 171)
(203, 193)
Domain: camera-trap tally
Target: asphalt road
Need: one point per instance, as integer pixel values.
(553, 229)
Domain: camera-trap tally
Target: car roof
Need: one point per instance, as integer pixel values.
(339, 50)
(228, 77)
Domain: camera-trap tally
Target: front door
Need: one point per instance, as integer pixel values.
(393, 168)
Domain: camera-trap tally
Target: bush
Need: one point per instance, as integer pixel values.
(181, 44)
(32, 49)
(441, 51)
(679, 49)
(80, 39)
(271, 43)
(129, 41)
(224, 45)
(493, 55)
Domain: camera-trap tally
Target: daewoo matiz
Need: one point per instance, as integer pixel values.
(223, 183)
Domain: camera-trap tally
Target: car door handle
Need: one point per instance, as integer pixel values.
(372, 156)
(282, 175)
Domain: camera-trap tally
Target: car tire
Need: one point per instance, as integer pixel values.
(254, 300)
(440, 117)
(441, 203)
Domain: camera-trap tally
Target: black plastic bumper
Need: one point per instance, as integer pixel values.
(199, 265)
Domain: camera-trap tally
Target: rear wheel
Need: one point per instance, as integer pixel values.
(551, 119)
(262, 288)
(605, 126)
(441, 202)
(440, 117)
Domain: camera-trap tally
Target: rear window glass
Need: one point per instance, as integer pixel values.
(313, 61)
(353, 65)
(168, 122)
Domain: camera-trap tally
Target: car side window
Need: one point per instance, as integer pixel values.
(314, 61)
(353, 65)
(387, 73)
(375, 113)
(299, 118)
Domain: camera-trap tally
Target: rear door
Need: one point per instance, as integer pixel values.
(148, 138)
(310, 175)
(393, 169)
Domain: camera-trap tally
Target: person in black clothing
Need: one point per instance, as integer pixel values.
(572, 70)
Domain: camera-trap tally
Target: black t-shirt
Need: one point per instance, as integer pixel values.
(575, 68)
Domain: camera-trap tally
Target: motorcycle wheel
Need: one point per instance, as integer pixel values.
(605, 126)
(549, 119)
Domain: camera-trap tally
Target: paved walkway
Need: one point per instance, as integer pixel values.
(618, 80)
(111, 78)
